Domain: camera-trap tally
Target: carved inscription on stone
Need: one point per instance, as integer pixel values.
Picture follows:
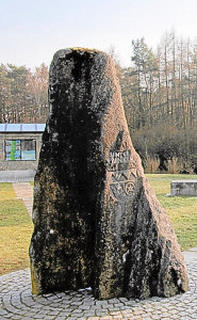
(122, 177)
(118, 160)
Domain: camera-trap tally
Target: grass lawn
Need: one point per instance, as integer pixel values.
(181, 210)
(16, 226)
(15, 231)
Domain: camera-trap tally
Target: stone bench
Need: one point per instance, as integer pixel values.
(184, 188)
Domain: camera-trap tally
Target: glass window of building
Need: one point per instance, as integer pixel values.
(20, 150)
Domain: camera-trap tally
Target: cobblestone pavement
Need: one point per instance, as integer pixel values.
(24, 191)
(17, 302)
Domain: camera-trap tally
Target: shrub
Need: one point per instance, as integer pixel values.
(174, 165)
(174, 148)
(152, 165)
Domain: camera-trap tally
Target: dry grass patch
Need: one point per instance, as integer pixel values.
(6, 191)
(152, 165)
(15, 231)
(13, 213)
(14, 246)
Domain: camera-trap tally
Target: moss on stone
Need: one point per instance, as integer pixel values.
(33, 281)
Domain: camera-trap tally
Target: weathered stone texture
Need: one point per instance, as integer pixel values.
(97, 222)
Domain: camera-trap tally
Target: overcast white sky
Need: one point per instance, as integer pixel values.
(32, 30)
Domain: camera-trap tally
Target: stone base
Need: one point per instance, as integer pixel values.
(184, 188)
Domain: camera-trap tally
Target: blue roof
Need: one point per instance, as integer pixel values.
(22, 127)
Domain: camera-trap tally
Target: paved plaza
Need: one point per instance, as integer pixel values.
(17, 301)
(24, 191)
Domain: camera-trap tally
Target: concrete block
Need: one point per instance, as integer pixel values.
(184, 188)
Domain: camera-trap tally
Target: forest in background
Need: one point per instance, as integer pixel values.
(23, 94)
(160, 98)
(159, 92)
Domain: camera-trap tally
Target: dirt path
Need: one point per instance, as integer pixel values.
(24, 191)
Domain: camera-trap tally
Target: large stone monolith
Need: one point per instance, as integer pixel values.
(97, 222)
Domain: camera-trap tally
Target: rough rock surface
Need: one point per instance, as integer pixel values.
(97, 222)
